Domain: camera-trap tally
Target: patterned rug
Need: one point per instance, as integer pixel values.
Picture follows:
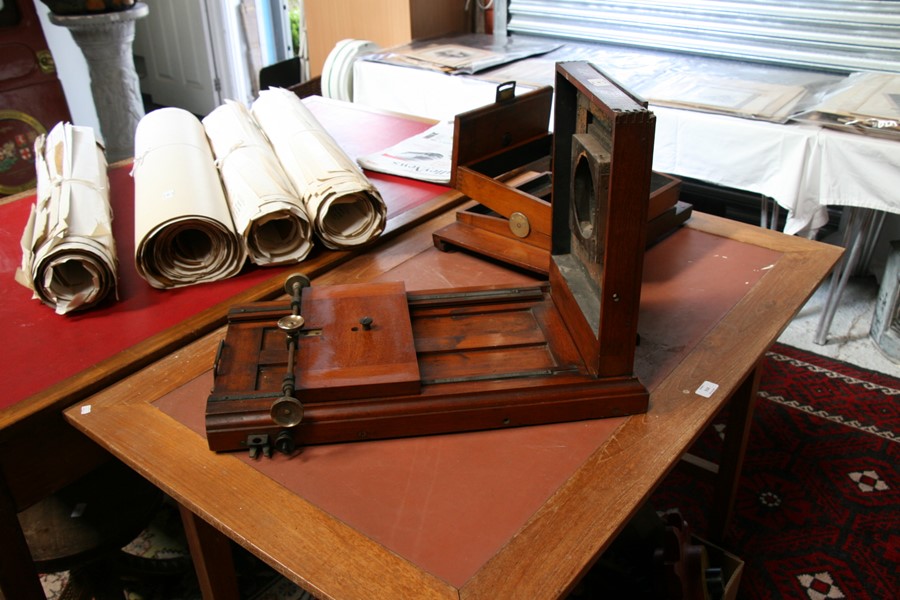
(818, 508)
(169, 575)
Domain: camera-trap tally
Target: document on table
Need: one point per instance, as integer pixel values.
(267, 210)
(727, 95)
(345, 207)
(184, 232)
(68, 250)
(427, 156)
(867, 103)
(866, 95)
(469, 53)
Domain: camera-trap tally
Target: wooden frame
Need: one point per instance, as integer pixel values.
(502, 159)
(602, 157)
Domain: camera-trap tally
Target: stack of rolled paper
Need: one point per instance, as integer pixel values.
(68, 251)
(346, 209)
(267, 211)
(184, 233)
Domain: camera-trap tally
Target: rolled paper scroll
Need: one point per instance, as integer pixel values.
(346, 209)
(183, 230)
(68, 250)
(267, 211)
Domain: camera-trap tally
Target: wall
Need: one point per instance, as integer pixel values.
(385, 22)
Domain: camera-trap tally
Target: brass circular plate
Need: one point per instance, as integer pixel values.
(287, 411)
(291, 323)
(519, 225)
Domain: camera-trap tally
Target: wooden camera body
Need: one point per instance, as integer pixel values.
(368, 361)
(602, 159)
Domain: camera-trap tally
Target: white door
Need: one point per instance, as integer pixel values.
(174, 57)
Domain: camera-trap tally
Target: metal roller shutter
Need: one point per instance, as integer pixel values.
(833, 35)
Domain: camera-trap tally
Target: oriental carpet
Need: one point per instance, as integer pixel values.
(817, 514)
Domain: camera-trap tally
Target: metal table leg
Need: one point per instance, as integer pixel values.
(861, 232)
(768, 217)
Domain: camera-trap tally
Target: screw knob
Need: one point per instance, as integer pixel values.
(287, 411)
(291, 323)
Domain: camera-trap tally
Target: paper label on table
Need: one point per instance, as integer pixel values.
(707, 389)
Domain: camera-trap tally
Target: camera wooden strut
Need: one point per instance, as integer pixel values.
(502, 159)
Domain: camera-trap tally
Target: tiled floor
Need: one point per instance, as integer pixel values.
(848, 338)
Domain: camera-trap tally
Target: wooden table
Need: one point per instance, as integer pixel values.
(515, 513)
(48, 361)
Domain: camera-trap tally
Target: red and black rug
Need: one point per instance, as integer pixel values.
(818, 508)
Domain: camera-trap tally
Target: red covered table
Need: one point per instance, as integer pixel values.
(49, 361)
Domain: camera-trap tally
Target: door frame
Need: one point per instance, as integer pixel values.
(229, 50)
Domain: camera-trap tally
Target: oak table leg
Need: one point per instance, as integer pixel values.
(211, 553)
(737, 432)
(18, 576)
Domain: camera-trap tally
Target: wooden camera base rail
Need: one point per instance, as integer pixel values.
(429, 362)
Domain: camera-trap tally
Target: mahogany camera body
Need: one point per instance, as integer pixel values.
(367, 361)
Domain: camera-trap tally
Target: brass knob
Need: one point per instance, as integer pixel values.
(296, 280)
(291, 323)
(287, 411)
(519, 225)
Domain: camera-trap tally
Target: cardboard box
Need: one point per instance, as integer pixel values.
(732, 567)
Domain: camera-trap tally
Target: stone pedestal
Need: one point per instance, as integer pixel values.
(885, 329)
(106, 40)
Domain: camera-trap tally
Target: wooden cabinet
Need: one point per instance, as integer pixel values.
(31, 97)
(385, 22)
